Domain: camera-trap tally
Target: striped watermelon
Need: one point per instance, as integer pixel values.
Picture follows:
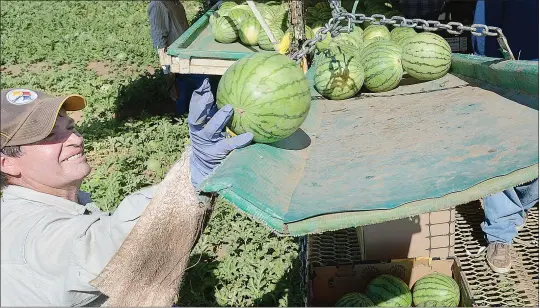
(436, 290)
(357, 32)
(264, 40)
(249, 31)
(238, 15)
(400, 35)
(322, 45)
(319, 12)
(224, 30)
(354, 300)
(226, 6)
(389, 291)
(269, 93)
(213, 18)
(382, 66)
(374, 31)
(401, 31)
(427, 56)
(338, 74)
(351, 49)
(376, 39)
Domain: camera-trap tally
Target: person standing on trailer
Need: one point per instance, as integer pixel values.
(168, 22)
(505, 216)
(518, 20)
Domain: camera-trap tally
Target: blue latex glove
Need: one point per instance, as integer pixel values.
(206, 129)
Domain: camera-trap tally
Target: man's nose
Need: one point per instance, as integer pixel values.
(75, 139)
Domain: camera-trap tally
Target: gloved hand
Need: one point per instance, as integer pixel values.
(206, 129)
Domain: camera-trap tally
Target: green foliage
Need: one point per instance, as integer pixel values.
(103, 51)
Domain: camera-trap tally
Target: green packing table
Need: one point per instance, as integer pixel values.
(423, 147)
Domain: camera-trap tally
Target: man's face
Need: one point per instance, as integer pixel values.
(58, 160)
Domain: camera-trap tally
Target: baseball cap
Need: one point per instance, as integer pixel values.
(29, 116)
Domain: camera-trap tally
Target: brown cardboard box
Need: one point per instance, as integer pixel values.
(426, 235)
(329, 283)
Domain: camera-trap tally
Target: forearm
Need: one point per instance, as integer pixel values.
(162, 239)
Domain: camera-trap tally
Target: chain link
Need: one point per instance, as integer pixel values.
(342, 21)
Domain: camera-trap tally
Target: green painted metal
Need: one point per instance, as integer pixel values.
(518, 75)
(423, 147)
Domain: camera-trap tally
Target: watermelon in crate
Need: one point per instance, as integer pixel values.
(436, 290)
(389, 291)
(354, 300)
(269, 93)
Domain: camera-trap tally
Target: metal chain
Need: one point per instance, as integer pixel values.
(342, 21)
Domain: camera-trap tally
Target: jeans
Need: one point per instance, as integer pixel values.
(512, 16)
(186, 85)
(505, 211)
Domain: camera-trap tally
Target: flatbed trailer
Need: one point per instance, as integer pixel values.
(470, 116)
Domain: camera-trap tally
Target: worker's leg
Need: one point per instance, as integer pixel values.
(487, 12)
(505, 212)
(186, 85)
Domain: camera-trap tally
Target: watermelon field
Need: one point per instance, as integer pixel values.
(103, 50)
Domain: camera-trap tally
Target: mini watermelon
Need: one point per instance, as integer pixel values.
(249, 31)
(354, 50)
(427, 56)
(382, 66)
(354, 300)
(398, 32)
(436, 290)
(318, 12)
(224, 30)
(358, 33)
(269, 93)
(264, 40)
(375, 31)
(238, 15)
(338, 74)
(213, 18)
(227, 5)
(375, 39)
(389, 291)
(322, 45)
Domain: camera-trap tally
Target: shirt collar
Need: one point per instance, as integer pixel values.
(35, 196)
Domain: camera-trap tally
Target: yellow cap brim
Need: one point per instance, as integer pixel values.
(73, 102)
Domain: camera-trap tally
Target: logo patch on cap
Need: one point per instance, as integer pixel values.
(21, 96)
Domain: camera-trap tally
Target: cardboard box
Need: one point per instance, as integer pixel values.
(327, 284)
(426, 235)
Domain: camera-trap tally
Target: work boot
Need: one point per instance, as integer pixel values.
(498, 257)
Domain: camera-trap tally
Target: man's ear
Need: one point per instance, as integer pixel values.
(9, 165)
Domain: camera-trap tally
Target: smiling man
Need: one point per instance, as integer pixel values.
(55, 241)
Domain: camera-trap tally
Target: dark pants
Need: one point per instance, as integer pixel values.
(518, 20)
(187, 84)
